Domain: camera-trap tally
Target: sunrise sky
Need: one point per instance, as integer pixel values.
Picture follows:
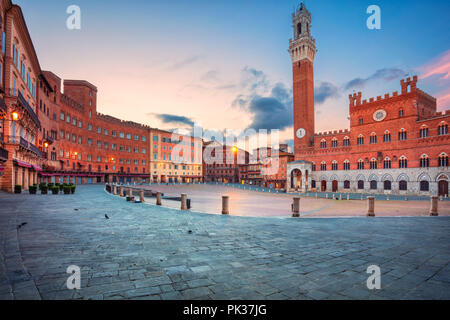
(169, 64)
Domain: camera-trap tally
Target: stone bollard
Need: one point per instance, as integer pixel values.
(158, 198)
(130, 192)
(340, 196)
(183, 201)
(225, 207)
(434, 206)
(115, 190)
(296, 207)
(371, 206)
(141, 195)
(121, 192)
(348, 196)
(317, 194)
(406, 198)
(326, 196)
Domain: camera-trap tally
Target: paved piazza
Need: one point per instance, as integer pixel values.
(146, 252)
(208, 199)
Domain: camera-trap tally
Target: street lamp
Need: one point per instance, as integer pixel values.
(15, 116)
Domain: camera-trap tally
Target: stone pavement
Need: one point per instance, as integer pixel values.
(146, 252)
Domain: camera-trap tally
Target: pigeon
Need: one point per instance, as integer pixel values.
(21, 225)
(75, 209)
(190, 231)
(106, 216)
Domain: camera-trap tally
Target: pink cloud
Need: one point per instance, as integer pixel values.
(443, 100)
(437, 66)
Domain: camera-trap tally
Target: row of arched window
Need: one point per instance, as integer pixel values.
(387, 163)
(387, 185)
(402, 135)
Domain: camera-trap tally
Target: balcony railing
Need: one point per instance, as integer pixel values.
(29, 109)
(17, 140)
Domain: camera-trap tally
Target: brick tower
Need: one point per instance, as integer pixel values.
(302, 49)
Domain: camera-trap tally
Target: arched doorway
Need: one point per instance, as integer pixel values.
(323, 186)
(296, 179)
(334, 185)
(443, 188)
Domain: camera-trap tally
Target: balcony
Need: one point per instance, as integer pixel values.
(17, 140)
(27, 107)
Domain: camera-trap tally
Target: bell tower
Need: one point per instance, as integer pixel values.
(302, 50)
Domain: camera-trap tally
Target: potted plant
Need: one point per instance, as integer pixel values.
(17, 188)
(44, 189)
(55, 190)
(32, 189)
(42, 184)
(66, 189)
(51, 185)
(72, 188)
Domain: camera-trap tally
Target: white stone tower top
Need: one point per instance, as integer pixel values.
(303, 46)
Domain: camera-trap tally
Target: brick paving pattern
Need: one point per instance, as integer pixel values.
(146, 252)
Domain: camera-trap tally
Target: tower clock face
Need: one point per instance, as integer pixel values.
(301, 133)
(379, 115)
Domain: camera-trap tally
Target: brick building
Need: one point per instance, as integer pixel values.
(54, 135)
(396, 143)
(20, 158)
(175, 158)
(275, 168)
(222, 163)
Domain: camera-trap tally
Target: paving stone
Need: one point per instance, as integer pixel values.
(145, 252)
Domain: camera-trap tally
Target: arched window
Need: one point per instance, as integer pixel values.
(373, 185)
(402, 134)
(424, 131)
(323, 166)
(346, 184)
(360, 184)
(299, 28)
(387, 136)
(443, 160)
(387, 185)
(334, 165)
(403, 162)
(424, 185)
(346, 141)
(403, 185)
(313, 184)
(313, 166)
(346, 165)
(360, 140)
(424, 161)
(387, 163)
(400, 113)
(373, 163)
(373, 138)
(334, 143)
(360, 164)
(323, 144)
(443, 128)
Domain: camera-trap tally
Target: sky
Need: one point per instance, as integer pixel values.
(225, 64)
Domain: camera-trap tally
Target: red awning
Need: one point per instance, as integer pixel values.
(2, 168)
(37, 168)
(23, 164)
